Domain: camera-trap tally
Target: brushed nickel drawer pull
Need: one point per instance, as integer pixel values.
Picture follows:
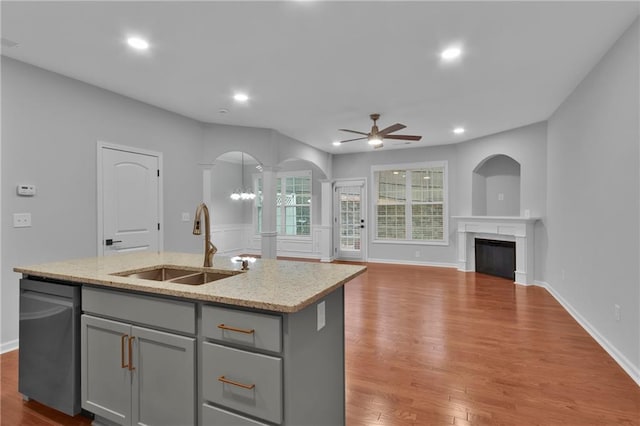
(122, 338)
(237, 330)
(231, 382)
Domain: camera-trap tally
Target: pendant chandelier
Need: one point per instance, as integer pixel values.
(242, 193)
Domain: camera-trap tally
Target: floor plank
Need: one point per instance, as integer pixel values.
(436, 346)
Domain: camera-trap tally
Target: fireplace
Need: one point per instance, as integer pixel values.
(495, 257)
(503, 228)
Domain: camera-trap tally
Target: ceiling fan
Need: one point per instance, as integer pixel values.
(376, 136)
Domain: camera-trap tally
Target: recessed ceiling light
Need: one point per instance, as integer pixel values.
(337, 143)
(458, 130)
(241, 97)
(138, 43)
(451, 53)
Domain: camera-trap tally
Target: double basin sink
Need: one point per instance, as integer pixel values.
(178, 275)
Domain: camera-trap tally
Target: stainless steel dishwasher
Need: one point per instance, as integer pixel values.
(49, 357)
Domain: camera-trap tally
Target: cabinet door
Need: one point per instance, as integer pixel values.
(164, 378)
(106, 384)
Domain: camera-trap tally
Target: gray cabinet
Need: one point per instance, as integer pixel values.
(132, 374)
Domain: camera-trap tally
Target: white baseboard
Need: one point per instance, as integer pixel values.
(414, 263)
(8, 346)
(632, 370)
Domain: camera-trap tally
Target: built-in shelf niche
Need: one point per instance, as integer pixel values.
(496, 187)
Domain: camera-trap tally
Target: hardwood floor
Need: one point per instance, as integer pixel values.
(436, 346)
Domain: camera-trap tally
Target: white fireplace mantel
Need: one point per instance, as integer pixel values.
(511, 228)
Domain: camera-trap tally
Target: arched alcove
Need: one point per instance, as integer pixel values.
(496, 187)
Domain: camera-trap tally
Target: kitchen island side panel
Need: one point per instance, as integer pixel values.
(314, 378)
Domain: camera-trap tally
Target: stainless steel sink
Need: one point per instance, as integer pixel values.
(201, 278)
(158, 274)
(178, 275)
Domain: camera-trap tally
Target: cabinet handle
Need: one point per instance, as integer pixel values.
(122, 338)
(231, 382)
(131, 367)
(237, 330)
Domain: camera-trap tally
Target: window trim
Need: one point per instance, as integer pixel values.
(445, 200)
(282, 175)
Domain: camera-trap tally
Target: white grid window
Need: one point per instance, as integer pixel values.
(293, 204)
(410, 203)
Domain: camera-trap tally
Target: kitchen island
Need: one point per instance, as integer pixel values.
(257, 347)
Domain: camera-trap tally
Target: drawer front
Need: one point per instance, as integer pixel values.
(261, 376)
(212, 416)
(154, 311)
(251, 329)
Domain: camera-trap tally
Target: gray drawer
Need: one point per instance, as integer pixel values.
(254, 330)
(262, 373)
(154, 311)
(212, 416)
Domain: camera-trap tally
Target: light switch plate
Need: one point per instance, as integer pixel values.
(322, 320)
(22, 220)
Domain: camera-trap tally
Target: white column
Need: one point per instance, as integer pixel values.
(269, 234)
(326, 221)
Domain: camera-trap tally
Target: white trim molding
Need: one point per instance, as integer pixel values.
(520, 228)
(9, 346)
(632, 370)
(413, 263)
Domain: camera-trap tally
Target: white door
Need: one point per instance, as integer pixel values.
(128, 201)
(350, 218)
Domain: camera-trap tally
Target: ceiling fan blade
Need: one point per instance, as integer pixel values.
(391, 129)
(354, 131)
(351, 140)
(403, 137)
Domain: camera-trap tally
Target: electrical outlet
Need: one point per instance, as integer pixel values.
(417, 253)
(185, 217)
(500, 196)
(616, 312)
(22, 220)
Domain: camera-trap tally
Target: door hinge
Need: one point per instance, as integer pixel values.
(158, 226)
(158, 172)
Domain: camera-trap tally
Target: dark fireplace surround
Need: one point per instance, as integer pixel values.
(495, 257)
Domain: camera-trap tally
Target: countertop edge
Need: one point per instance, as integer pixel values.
(133, 287)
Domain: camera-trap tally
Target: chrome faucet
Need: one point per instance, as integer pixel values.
(209, 248)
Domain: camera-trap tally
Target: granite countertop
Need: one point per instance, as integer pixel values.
(273, 285)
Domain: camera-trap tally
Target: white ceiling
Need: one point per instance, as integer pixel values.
(312, 67)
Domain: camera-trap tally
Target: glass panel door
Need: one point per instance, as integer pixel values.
(350, 221)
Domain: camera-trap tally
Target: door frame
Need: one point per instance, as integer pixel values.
(364, 210)
(101, 145)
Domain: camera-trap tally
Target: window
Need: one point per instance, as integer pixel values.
(293, 203)
(410, 203)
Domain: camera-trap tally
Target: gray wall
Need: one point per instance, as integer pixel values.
(225, 178)
(50, 128)
(593, 199)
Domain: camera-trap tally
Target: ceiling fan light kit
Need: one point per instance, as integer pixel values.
(376, 136)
